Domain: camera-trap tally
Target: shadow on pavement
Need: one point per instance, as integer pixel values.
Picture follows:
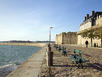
(96, 66)
(64, 66)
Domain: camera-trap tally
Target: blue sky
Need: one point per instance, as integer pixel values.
(31, 19)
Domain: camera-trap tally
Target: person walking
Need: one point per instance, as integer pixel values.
(86, 43)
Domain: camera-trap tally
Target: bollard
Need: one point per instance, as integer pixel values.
(50, 58)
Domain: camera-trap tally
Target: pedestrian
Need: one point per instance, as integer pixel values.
(86, 43)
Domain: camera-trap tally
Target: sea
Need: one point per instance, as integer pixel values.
(11, 56)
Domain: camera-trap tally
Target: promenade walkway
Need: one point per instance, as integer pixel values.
(63, 66)
(31, 67)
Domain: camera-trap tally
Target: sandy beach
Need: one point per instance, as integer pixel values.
(25, 44)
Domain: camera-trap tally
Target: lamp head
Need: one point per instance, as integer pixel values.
(51, 27)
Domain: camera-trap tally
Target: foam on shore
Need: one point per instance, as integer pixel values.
(6, 69)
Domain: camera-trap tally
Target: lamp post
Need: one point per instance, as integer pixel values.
(50, 54)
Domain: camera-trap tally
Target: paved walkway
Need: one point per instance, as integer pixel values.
(63, 66)
(31, 67)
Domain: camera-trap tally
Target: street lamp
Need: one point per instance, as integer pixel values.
(50, 35)
(49, 39)
(50, 54)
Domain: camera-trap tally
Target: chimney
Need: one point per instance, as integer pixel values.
(87, 16)
(93, 13)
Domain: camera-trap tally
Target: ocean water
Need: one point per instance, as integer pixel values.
(10, 54)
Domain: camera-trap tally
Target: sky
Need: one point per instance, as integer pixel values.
(31, 19)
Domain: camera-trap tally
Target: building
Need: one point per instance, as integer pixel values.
(66, 38)
(93, 22)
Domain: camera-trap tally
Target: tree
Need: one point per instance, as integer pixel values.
(98, 34)
(89, 34)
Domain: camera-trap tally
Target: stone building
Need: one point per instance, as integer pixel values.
(66, 38)
(93, 22)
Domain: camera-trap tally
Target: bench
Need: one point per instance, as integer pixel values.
(77, 58)
(64, 52)
(61, 49)
(56, 46)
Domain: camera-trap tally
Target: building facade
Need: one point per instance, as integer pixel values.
(66, 38)
(92, 22)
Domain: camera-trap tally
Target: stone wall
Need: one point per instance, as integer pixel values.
(59, 39)
(85, 26)
(81, 41)
(66, 38)
(99, 21)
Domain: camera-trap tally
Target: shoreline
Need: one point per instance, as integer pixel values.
(32, 65)
(5, 70)
(25, 44)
